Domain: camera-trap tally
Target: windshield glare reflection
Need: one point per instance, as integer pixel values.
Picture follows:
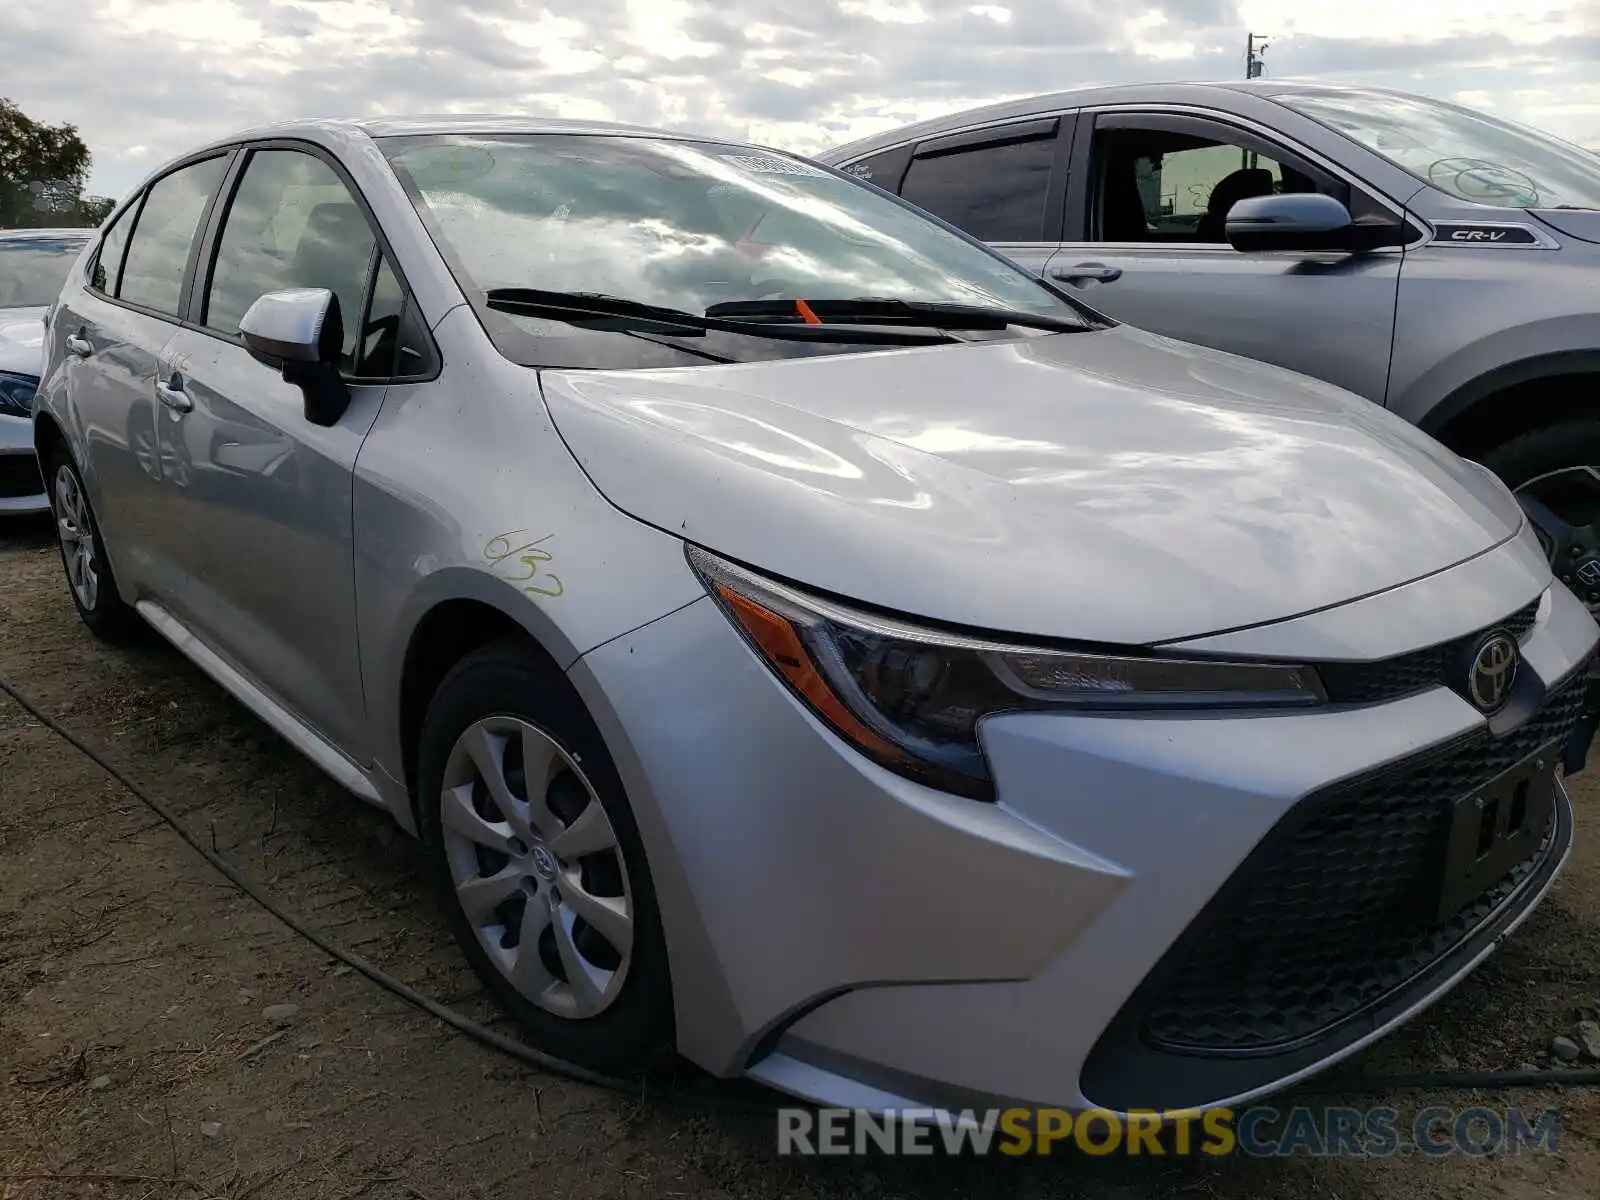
(1466, 154)
(687, 225)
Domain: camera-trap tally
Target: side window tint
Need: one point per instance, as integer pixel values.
(108, 259)
(886, 169)
(995, 191)
(158, 253)
(380, 337)
(292, 224)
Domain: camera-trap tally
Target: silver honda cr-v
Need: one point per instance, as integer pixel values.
(801, 637)
(1435, 259)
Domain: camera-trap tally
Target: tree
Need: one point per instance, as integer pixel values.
(42, 173)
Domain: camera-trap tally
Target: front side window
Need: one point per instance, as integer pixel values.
(158, 255)
(995, 191)
(683, 225)
(33, 269)
(1466, 154)
(292, 224)
(1161, 186)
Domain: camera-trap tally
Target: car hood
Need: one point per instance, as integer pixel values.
(1115, 487)
(22, 340)
(1580, 223)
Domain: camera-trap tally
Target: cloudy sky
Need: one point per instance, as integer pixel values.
(144, 79)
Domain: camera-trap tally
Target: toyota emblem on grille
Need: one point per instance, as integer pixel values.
(1589, 571)
(1493, 671)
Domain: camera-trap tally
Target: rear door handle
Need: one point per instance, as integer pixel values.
(1089, 270)
(173, 396)
(81, 346)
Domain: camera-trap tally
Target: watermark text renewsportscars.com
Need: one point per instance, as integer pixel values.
(1261, 1132)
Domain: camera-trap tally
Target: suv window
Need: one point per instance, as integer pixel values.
(158, 254)
(107, 270)
(292, 223)
(996, 191)
(1161, 185)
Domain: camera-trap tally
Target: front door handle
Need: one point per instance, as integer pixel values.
(172, 394)
(79, 345)
(1098, 272)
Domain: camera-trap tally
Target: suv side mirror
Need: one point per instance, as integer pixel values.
(300, 331)
(1304, 221)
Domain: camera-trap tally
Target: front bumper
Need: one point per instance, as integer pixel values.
(858, 940)
(21, 485)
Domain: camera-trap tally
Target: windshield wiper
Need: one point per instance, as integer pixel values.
(873, 310)
(600, 311)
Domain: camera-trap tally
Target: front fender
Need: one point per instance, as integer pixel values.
(1537, 350)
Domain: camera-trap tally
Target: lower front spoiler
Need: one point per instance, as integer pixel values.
(1125, 1073)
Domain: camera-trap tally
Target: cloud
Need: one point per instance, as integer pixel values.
(146, 79)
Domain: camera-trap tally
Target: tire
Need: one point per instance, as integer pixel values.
(94, 588)
(1548, 448)
(503, 691)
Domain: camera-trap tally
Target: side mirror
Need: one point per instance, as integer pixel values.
(1304, 221)
(300, 332)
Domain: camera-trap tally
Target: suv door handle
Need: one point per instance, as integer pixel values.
(172, 394)
(81, 346)
(1088, 270)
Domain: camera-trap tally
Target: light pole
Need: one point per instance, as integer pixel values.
(1253, 66)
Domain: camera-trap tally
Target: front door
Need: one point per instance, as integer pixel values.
(1146, 207)
(266, 523)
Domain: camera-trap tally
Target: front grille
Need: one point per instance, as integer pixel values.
(1334, 911)
(1391, 678)
(19, 476)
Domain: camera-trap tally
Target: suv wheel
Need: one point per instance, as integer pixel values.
(530, 838)
(83, 552)
(1555, 472)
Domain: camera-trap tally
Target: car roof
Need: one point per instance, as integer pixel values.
(1117, 93)
(452, 123)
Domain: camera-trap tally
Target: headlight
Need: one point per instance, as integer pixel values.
(911, 698)
(16, 394)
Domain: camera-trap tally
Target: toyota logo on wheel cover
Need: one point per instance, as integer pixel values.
(1493, 671)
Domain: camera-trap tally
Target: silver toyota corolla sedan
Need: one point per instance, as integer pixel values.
(802, 638)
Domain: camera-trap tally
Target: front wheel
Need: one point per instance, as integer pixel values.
(1555, 473)
(532, 842)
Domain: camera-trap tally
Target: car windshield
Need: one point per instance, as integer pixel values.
(684, 225)
(1465, 153)
(33, 269)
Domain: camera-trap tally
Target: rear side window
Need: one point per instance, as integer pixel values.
(996, 191)
(158, 255)
(292, 224)
(107, 269)
(885, 169)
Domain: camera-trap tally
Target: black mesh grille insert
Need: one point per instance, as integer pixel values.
(1391, 678)
(1329, 914)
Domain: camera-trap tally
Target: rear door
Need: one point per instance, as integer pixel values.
(1144, 244)
(264, 531)
(115, 332)
(1004, 184)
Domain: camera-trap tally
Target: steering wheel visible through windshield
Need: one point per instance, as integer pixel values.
(684, 225)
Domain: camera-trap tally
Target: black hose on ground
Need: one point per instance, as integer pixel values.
(1583, 1077)
(488, 1037)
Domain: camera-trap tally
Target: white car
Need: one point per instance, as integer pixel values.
(799, 636)
(33, 265)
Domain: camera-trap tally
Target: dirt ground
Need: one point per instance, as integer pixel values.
(136, 1060)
